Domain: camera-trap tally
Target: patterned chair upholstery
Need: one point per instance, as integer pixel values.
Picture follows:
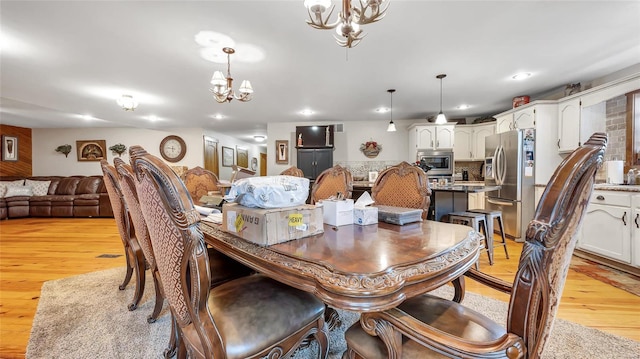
(134, 257)
(200, 182)
(403, 185)
(249, 317)
(427, 326)
(330, 182)
(292, 171)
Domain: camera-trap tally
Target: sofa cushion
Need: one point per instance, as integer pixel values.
(89, 185)
(67, 186)
(15, 191)
(40, 188)
(5, 184)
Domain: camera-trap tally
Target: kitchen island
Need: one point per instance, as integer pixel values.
(453, 198)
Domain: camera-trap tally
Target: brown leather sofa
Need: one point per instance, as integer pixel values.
(73, 196)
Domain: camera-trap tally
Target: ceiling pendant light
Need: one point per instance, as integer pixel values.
(392, 126)
(127, 102)
(349, 19)
(441, 117)
(223, 86)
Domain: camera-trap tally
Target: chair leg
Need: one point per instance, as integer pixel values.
(504, 242)
(458, 285)
(323, 340)
(127, 276)
(172, 346)
(159, 298)
(138, 265)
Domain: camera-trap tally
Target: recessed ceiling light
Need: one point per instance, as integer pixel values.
(521, 76)
(259, 138)
(382, 109)
(153, 118)
(218, 116)
(87, 117)
(306, 112)
(463, 107)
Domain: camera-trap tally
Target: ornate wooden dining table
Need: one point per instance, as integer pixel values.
(360, 268)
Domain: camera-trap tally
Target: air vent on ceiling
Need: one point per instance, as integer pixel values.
(338, 127)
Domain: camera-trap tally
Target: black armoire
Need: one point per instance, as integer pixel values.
(315, 149)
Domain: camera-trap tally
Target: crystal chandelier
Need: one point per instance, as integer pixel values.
(223, 86)
(349, 19)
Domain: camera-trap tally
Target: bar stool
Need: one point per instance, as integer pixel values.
(477, 221)
(491, 216)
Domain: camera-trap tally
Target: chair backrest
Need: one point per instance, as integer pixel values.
(179, 248)
(330, 182)
(240, 172)
(130, 196)
(550, 240)
(112, 184)
(293, 171)
(403, 185)
(200, 181)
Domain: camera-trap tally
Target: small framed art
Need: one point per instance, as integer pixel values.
(282, 152)
(227, 156)
(91, 150)
(9, 148)
(242, 157)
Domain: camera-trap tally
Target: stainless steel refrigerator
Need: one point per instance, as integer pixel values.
(510, 164)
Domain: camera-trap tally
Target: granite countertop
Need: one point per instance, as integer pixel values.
(362, 184)
(616, 187)
(465, 188)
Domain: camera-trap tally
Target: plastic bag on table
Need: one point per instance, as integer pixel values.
(269, 191)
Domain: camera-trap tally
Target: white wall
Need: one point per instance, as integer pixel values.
(48, 162)
(346, 144)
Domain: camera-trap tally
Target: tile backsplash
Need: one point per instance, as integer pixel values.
(473, 167)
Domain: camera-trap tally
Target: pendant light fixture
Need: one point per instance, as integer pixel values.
(441, 117)
(223, 85)
(392, 126)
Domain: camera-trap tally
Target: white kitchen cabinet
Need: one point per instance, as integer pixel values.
(538, 194)
(524, 118)
(476, 200)
(469, 141)
(635, 231)
(433, 137)
(569, 125)
(504, 122)
(607, 226)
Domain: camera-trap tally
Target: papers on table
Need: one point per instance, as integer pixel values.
(214, 218)
(205, 211)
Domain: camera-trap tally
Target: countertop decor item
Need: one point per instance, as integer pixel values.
(65, 149)
(118, 148)
(371, 148)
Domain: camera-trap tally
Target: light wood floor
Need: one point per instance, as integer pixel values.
(33, 251)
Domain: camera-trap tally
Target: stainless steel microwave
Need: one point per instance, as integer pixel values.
(440, 162)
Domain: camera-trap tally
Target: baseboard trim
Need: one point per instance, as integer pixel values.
(608, 262)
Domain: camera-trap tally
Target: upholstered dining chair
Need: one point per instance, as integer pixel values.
(403, 185)
(134, 256)
(331, 181)
(249, 317)
(292, 171)
(200, 182)
(427, 326)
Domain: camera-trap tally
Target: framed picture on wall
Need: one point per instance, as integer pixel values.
(282, 152)
(91, 150)
(227, 156)
(242, 158)
(9, 148)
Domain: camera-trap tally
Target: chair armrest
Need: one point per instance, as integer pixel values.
(509, 346)
(490, 281)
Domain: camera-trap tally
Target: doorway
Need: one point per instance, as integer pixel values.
(211, 154)
(263, 164)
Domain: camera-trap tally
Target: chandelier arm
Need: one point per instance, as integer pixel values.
(319, 22)
(377, 13)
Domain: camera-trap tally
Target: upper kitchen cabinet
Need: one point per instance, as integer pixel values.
(504, 122)
(469, 140)
(543, 117)
(433, 137)
(582, 114)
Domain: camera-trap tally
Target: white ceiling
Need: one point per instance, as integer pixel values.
(64, 59)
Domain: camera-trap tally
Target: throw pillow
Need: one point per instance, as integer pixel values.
(5, 184)
(40, 188)
(13, 191)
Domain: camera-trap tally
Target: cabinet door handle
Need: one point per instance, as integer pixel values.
(600, 197)
(431, 143)
(624, 216)
(636, 220)
(470, 155)
(437, 143)
(558, 143)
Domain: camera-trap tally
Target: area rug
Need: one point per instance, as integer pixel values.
(86, 316)
(619, 279)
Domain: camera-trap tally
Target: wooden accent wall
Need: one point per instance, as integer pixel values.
(24, 165)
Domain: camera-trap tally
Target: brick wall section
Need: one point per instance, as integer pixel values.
(616, 128)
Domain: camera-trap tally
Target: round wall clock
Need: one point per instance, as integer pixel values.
(173, 148)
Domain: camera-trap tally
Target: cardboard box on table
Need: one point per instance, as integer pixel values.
(337, 212)
(271, 226)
